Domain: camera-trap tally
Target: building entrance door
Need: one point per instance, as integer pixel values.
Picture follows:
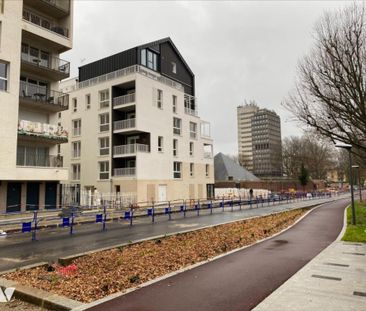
(162, 193)
(32, 196)
(51, 195)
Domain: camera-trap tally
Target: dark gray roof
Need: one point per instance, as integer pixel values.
(225, 167)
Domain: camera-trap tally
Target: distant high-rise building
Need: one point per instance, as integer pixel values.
(259, 140)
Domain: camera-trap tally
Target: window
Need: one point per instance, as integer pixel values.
(58, 149)
(207, 170)
(3, 76)
(76, 149)
(175, 147)
(193, 130)
(174, 67)
(74, 104)
(76, 168)
(76, 127)
(191, 148)
(104, 146)
(87, 101)
(159, 100)
(104, 170)
(160, 143)
(104, 122)
(104, 99)
(174, 104)
(191, 169)
(177, 125)
(149, 59)
(177, 169)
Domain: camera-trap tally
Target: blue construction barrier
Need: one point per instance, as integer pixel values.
(149, 211)
(99, 218)
(127, 215)
(65, 222)
(27, 226)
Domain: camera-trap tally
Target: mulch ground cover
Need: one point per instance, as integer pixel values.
(103, 273)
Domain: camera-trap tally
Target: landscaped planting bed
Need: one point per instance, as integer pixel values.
(97, 275)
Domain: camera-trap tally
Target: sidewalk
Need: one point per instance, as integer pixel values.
(333, 280)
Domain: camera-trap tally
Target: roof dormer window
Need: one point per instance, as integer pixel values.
(149, 59)
(174, 67)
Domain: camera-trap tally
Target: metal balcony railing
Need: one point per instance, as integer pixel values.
(48, 62)
(125, 171)
(190, 111)
(124, 124)
(44, 23)
(44, 130)
(43, 94)
(124, 99)
(32, 158)
(130, 149)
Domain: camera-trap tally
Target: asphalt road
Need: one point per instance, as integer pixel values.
(241, 280)
(18, 250)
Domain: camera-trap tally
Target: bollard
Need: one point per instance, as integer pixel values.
(223, 205)
(153, 212)
(131, 214)
(211, 206)
(239, 202)
(232, 205)
(184, 208)
(72, 224)
(169, 211)
(197, 206)
(105, 216)
(34, 232)
(256, 201)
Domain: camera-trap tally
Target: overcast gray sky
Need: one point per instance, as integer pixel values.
(238, 50)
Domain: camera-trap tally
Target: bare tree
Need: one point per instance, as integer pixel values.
(315, 154)
(330, 92)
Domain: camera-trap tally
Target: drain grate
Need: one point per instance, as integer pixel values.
(360, 254)
(335, 264)
(326, 277)
(359, 294)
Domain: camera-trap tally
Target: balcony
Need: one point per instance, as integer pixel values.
(130, 149)
(123, 125)
(45, 23)
(32, 159)
(190, 105)
(123, 100)
(54, 8)
(48, 66)
(48, 133)
(39, 96)
(206, 130)
(124, 172)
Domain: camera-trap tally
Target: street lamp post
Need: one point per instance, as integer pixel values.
(359, 180)
(348, 148)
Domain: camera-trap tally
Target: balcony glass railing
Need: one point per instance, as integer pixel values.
(130, 149)
(125, 99)
(43, 130)
(31, 158)
(125, 171)
(44, 23)
(43, 94)
(48, 62)
(124, 124)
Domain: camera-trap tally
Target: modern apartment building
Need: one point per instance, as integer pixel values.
(259, 140)
(134, 127)
(33, 33)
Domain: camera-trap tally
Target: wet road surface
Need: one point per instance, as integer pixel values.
(241, 280)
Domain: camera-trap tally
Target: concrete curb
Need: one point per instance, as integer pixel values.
(344, 228)
(116, 295)
(40, 297)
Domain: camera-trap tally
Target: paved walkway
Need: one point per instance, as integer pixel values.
(18, 250)
(334, 280)
(241, 280)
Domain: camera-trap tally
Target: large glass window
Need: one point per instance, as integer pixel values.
(175, 147)
(104, 99)
(174, 104)
(177, 126)
(104, 170)
(3, 76)
(76, 168)
(159, 100)
(104, 122)
(104, 146)
(193, 129)
(160, 143)
(76, 127)
(149, 59)
(76, 149)
(177, 169)
(191, 169)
